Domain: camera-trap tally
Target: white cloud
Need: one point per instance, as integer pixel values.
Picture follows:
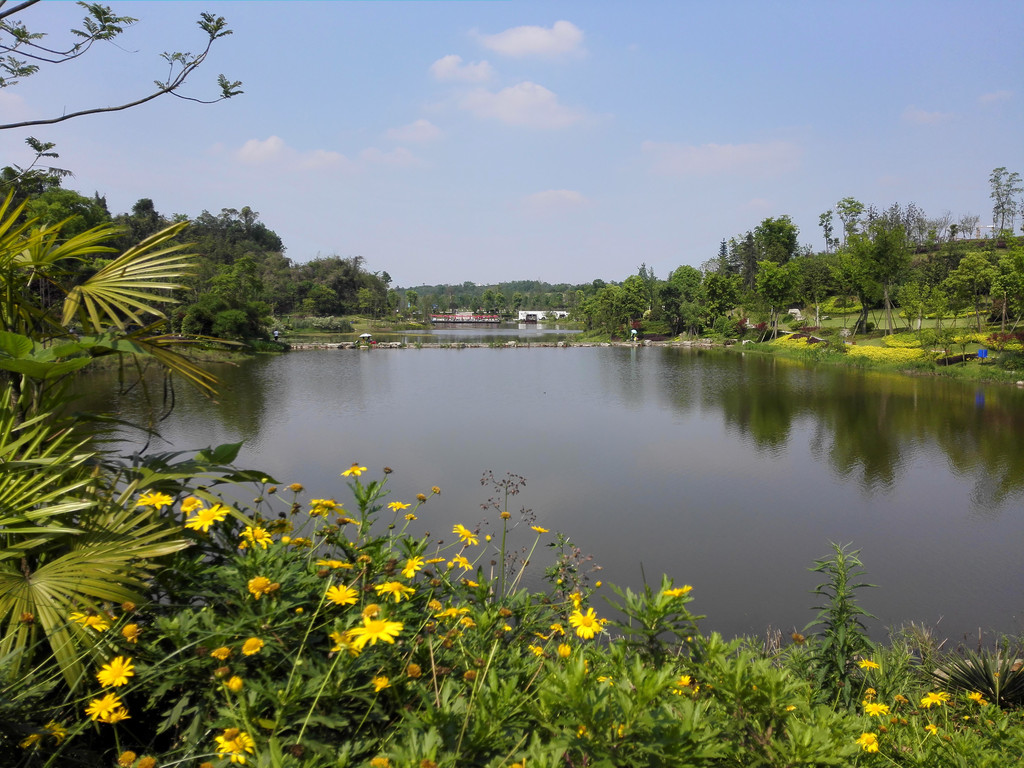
(417, 131)
(256, 152)
(913, 114)
(13, 108)
(321, 158)
(451, 68)
(274, 151)
(399, 156)
(991, 98)
(562, 38)
(554, 201)
(525, 104)
(765, 159)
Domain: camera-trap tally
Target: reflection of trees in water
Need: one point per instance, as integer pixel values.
(147, 401)
(869, 425)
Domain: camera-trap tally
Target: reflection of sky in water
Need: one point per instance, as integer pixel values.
(728, 473)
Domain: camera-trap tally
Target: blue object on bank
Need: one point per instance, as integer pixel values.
(982, 353)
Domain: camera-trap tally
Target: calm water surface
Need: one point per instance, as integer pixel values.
(728, 472)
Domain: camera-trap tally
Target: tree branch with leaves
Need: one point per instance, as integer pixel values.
(22, 53)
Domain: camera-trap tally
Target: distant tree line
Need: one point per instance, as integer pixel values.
(895, 261)
(242, 279)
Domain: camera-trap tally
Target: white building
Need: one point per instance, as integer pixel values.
(536, 315)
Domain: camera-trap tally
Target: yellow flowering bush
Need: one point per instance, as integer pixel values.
(369, 637)
(891, 355)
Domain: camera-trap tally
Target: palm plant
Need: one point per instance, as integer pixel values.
(70, 538)
(999, 677)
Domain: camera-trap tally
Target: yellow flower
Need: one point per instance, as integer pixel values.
(154, 499)
(116, 716)
(451, 613)
(467, 622)
(413, 670)
(868, 742)
(322, 507)
(221, 653)
(252, 646)
(234, 684)
(435, 490)
(536, 650)
(410, 516)
(586, 624)
(354, 471)
(261, 585)
(91, 620)
(412, 566)
(374, 630)
(32, 741)
(932, 729)
(371, 611)
(333, 564)
(127, 759)
(99, 709)
(557, 629)
(874, 709)
(116, 673)
(398, 506)
(131, 632)
(380, 762)
(564, 650)
(538, 529)
(343, 642)
(380, 683)
(867, 664)
(190, 504)
(342, 595)
(934, 698)
(678, 591)
(296, 488)
(233, 744)
(680, 685)
(470, 583)
(251, 536)
(396, 589)
(147, 762)
(977, 698)
(57, 731)
(460, 561)
(433, 560)
(204, 518)
(466, 535)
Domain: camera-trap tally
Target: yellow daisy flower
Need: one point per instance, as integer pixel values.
(116, 673)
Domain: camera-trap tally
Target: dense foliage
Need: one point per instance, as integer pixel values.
(296, 631)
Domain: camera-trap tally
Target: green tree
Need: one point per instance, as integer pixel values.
(1006, 186)
(884, 256)
(411, 300)
(720, 294)
(775, 285)
(849, 210)
(813, 278)
(75, 212)
(776, 239)
(971, 280)
(1008, 286)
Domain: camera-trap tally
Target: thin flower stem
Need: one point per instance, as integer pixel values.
(319, 693)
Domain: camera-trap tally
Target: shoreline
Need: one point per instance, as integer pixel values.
(953, 373)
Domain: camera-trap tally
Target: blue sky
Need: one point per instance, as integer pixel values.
(563, 141)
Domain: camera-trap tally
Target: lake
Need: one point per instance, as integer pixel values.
(731, 472)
